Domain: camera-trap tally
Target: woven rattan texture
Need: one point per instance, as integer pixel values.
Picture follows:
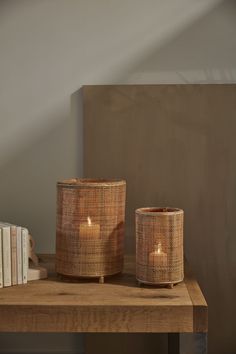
(159, 245)
(90, 227)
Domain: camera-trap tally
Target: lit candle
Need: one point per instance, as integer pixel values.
(158, 257)
(89, 230)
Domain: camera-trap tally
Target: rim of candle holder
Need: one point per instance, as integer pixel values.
(90, 182)
(158, 211)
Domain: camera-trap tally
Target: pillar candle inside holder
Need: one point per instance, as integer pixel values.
(158, 257)
(89, 230)
(90, 227)
(159, 245)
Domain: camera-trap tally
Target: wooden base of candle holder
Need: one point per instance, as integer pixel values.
(81, 278)
(169, 285)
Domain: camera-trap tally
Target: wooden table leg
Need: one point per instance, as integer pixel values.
(187, 343)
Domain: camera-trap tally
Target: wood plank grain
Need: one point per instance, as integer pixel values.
(95, 319)
(119, 305)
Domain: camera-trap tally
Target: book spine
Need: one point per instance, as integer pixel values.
(19, 255)
(1, 266)
(6, 251)
(13, 255)
(25, 254)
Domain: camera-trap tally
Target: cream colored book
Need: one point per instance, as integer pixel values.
(25, 253)
(19, 255)
(6, 254)
(1, 268)
(13, 255)
(16, 254)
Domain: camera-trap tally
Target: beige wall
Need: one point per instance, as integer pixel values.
(50, 48)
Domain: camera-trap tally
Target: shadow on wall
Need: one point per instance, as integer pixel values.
(28, 181)
(204, 52)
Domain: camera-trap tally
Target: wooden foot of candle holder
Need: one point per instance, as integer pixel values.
(101, 280)
(170, 286)
(81, 279)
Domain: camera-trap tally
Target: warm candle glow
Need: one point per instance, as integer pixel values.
(89, 221)
(158, 248)
(158, 257)
(89, 230)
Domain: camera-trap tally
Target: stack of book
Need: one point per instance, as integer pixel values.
(14, 261)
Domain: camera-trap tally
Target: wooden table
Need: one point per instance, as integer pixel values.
(119, 305)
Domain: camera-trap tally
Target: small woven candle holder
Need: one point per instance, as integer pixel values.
(159, 246)
(90, 227)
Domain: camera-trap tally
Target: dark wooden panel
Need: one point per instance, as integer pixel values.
(175, 145)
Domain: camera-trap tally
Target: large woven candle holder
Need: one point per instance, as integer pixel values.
(159, 246)
(90, 227)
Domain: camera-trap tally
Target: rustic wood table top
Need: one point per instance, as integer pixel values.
(118, 305)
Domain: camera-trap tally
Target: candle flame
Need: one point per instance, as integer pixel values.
(89, 221)
(159, 248)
